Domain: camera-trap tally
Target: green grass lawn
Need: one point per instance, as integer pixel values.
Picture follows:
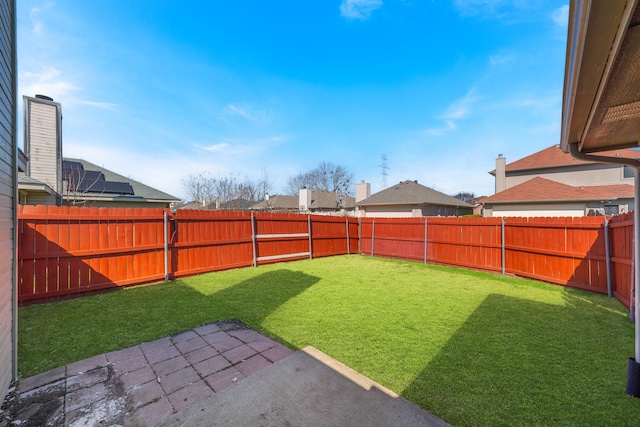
(472, 348)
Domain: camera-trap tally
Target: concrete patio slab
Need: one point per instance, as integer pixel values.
(307, 388)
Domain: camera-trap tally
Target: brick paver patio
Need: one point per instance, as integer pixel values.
(143, 385)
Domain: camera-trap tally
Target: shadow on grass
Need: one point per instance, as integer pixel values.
(518, 362)
(58, 333)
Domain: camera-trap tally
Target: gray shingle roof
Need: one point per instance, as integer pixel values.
(278, 203)
(323, 199)
(23, 178)
(412, 193)
(140, 190)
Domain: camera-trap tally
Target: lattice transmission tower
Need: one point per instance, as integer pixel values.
(385, 171)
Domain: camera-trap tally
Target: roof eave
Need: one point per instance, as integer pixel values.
(35, 187)
(579, 200)
(596, 36)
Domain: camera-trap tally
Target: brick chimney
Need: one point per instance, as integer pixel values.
(363, 191)
(501, 175)
(305, 199)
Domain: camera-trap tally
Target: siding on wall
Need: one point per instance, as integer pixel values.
(39, 199)
(7, 194)
(588, 174)
(546, 210)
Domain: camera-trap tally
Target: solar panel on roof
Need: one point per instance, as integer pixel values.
(118, 187)
(80, 180)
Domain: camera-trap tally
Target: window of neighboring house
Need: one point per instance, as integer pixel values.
(611, 210)
(627, 172)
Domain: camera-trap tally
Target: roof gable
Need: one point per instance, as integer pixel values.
(545, 190)
(411, 193)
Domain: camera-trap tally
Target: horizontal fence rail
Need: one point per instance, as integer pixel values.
(65, 251)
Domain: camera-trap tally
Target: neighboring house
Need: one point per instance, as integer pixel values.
(552, 183)
(323, 201)
(235, 205)
(50, 179)
(8, 203)
(314, 201)
(408, 199)
(277, 204)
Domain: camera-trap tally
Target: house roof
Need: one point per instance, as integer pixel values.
(139, 190)
(554, 157)
(545, 190)
(323, 199)
(29, 183)
(236, 204)
(411, 193)
(277, 203)
(320, 199)
(600, 101)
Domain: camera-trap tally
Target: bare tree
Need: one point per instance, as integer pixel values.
(326, 176)
(228, 190)
(264, 185)
(465, 196)
(200, 188)
(296, 182)
(330, 177)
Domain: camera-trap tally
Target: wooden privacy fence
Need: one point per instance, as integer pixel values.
(566, 251)
(69, 250)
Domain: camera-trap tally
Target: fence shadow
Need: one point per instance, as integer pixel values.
(590, 269)
(518, 355)
(112, 321)
(47, 271)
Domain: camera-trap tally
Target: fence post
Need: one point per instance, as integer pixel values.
(425, 240)
(359, 235)
(373, 234)
(348, 240)
(166, 247)
(310, 241)
(503, 250)
(607, 256)
(253, 240)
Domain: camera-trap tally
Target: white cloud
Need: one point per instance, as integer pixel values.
(359, 9)
(247, 112)
(449, 125)
(458, 110)
(561, 16)
(103, 105)
(497, 60)
(246, 147)
(478, 7)
(35, 21)
(47, 81)
(214, 147)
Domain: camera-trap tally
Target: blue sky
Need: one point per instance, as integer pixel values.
(158, 90)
